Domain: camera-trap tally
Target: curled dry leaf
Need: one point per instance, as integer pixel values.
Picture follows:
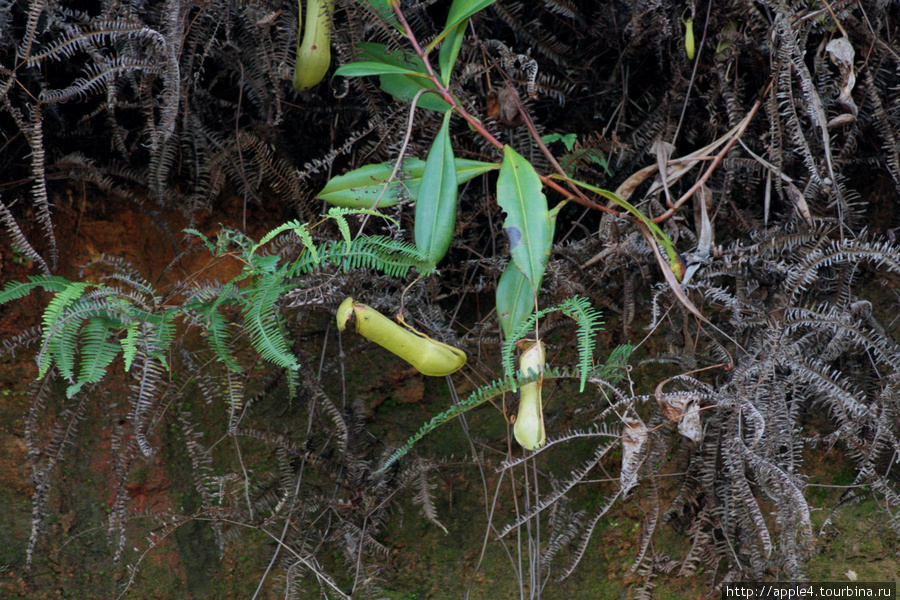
(503, 107)
(703, 204)
(841, 52)
(683, 407)
(796, 196)
(634, 435)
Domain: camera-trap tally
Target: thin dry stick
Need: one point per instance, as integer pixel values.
(409, 128)
(711, 169)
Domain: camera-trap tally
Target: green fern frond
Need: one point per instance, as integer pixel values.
(59, 343)
(264, 322)
(206, 242)
(129, 344)
(163, 334)
(338, 213)
(616, 364)
(294, 225)
(219, 340)
(63, 346)
(19, 289)
(342, 224)
(388, 256)
(225, 240)
(589, 323)
(307, 241)
(293, 382)
(573, 159)
(477, 398)
(97, 352)
(205, 302)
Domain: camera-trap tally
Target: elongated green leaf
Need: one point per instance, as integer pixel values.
(450, 50)
(364, 68)
(527, 222)
(470, 169)
(515, 298)
(362, 187)
(460, 10)
(404, 86)
(436, 203)
(674, 259)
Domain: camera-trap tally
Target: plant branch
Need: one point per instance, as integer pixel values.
(444, 92)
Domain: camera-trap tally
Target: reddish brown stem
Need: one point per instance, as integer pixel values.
(443, 91)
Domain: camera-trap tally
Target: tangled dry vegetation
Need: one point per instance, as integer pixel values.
(770, 158)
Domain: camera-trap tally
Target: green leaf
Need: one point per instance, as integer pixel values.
(515, 298)
(568, 140)
(527, 224)
(436, 203)
(361, 187)
(364, 68)
(460, 10)
(404, 86)
(675, 261)
(450, 50)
